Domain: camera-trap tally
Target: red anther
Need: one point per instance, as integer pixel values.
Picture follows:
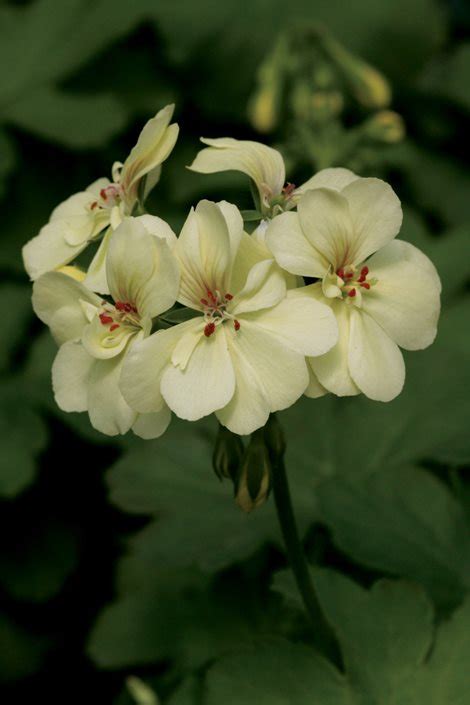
(114, 326)
(103, 194)
(340, 273)
(229, 297)
(134, 309)
(364, 271)
(211, 296)
(209, 329)
(366, 285)
(105, 319)
(362, 278)
(288, 189)
(204, 302)
(236, 325)
(127, 308)
(348, 275)
(93, 205)
(352, 293)
(120, 305)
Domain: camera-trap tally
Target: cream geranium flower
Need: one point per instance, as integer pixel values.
(95, 336)
(381, 301)
(84, 216)
(243, 354)
(264, 165)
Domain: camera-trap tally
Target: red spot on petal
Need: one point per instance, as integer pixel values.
(352, 293)
(105, 319)
(114, 326)
(229, 297)
(236, 325)
(94, 204)
(209, 329)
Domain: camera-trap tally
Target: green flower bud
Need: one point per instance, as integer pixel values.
(385, 126)
(274, 438)
(228, 454)
(254, 480)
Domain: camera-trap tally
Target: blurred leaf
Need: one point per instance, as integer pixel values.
(178, 617)
(7, 159)
(402, 521)
(21, 653)
(35, 569)
(22, 437)
(385, 635)
(76, 120)
(449, 76)
(17, 314)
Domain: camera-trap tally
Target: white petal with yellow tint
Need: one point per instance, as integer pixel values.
(70, 375)
(314, 389)
(280, 371)
(300, 322)
(326, 222)
(334, 178)
(144, 365)
(148, 426)
(265, 287)
(141, 269)
(376, 215)
(292, 249)
(332, 369)
(96, 275)
(375, 361)
(405, 302)
(261, 163)
(56, 301)
(206, 384)
(107, 408)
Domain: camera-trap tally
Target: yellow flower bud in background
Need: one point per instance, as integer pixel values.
(254, 481)
(263, 110)
(385, 126)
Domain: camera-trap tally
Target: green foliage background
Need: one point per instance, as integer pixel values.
(123, 557)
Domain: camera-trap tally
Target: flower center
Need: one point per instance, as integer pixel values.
(215, 311)
(279, 203)
(121, 314)
(110, 196)
(348, 283)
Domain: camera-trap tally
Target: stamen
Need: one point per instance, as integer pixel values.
(229, 297)
(204, 302)
(103, 194)
(209, 329)
(93, 205)
(340, 273)
(364, 271)
(366, 285)
(105, 319)
(114, 326)
(352, 293)
(236, 324)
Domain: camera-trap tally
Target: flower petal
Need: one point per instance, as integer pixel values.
(261, 163)
(204, 252)
(292, 248)
(300, 322)
(281, 372)
(334, 178)
(107, 408)
(154, 425)
(154, 145)
(405, 301)
(57, 302)
(332, 368)
(314, 389)
(206, 384)
(375, 361)
(144, 365)
(103, 343)
(326, 222)
(141, 269)
(376, 216)
(70, 373)
(265, 287)
(96, 275)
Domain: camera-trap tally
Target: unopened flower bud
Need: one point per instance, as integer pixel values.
(140, 691)
(228, 454)
(385, 126)
(254, 479)
(274, 438)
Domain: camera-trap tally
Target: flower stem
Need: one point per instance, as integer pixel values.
(323, 635)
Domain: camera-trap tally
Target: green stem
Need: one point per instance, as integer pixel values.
(323, 635)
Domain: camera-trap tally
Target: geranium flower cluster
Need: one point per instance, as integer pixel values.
(319, 298)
